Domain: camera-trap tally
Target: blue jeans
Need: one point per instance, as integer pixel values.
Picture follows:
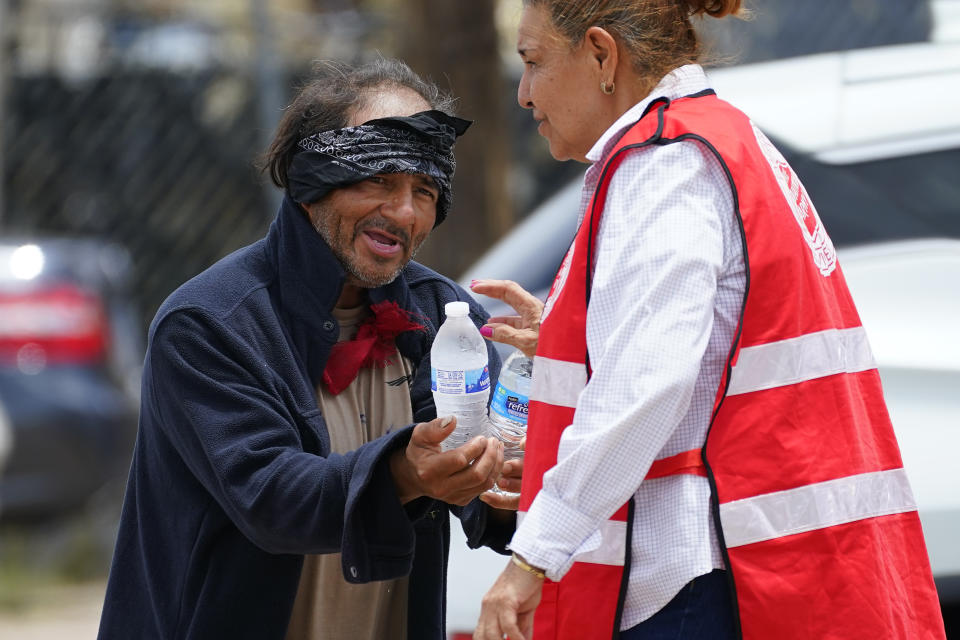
(702, 610)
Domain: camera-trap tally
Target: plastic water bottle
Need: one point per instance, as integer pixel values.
(510, 404)
(459, 375)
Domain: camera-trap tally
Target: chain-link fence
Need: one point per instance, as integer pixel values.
(145, 132)
(142, 158)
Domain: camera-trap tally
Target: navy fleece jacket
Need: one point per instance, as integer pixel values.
(232, 478)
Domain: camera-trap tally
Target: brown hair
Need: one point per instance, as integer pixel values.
(326, 101)
(657, 34)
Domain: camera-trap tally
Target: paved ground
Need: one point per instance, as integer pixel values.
(62, 613)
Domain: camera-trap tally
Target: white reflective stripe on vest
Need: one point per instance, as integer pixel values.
(815, 355)
(611, 538)
(557, 382)
(816, 506)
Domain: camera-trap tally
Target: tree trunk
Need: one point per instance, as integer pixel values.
(454, 43)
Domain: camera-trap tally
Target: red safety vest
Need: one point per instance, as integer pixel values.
(816, 518)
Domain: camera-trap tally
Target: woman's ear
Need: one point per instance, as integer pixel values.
(603, 47)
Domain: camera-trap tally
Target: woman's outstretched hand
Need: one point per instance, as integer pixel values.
(521, 331)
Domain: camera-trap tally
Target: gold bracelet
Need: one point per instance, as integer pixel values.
(520, 562)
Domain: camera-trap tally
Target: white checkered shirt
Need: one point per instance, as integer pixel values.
(667, 289)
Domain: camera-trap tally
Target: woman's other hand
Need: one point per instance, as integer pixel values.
(510, 480)
(521, 331)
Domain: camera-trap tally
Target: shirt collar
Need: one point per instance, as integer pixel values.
(682, 81)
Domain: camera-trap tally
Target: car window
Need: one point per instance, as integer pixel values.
(916, 196)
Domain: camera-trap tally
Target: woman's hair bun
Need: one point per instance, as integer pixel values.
(715, 8)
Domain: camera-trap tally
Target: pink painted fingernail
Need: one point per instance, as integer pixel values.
(486, 332)
(473, 283)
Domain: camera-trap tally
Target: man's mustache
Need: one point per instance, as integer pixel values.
(382, 224)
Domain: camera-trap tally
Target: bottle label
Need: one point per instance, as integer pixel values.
(458, 381)
(510, 405)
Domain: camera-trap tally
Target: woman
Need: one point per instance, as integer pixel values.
(708, 454)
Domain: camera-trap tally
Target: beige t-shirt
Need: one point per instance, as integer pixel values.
(327, 607)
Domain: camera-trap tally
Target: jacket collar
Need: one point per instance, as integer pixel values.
(310, 276)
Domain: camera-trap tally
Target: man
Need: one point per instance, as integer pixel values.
(274, 490)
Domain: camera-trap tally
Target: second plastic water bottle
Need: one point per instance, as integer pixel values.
(459, 375)
(510, 404)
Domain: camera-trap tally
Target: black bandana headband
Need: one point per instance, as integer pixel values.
(421, 143)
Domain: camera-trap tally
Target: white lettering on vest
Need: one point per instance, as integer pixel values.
(558, 283)
(824, 255)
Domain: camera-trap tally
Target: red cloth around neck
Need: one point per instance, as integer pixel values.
(372, 346)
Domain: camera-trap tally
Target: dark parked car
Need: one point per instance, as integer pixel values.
(70, 356)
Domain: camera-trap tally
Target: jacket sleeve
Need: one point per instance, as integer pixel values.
(223, 411)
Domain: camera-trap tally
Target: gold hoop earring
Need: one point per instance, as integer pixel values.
(607, 91)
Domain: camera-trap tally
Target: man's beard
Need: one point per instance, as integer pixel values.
(357, 274)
